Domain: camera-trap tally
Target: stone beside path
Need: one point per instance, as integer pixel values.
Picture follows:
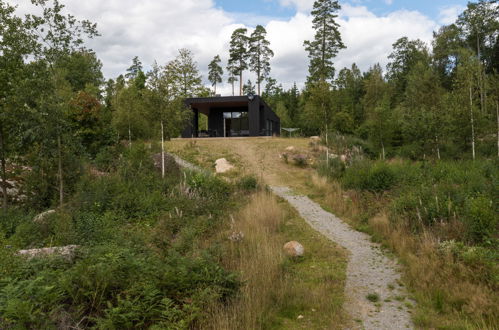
(369, 272)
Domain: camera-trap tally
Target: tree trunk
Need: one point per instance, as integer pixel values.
(60, 173)
(258, 78)
(480, 78)
(129, 136)
(232, 87)
(215, 93)
(497, 116)
(162, 150)
(382, 150)
(437, 146)
(327, 148)
(327, 143)
(241, 83)
(472, 120)
(4, 172)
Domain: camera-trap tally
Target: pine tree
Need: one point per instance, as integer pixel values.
(327, 40)
(260, 54)
(238, 55)
(185, 74)
(215, 72)
(248, 88)
(134, 70)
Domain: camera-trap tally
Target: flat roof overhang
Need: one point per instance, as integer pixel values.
(203, 104)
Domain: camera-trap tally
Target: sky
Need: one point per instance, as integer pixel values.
(154, 30)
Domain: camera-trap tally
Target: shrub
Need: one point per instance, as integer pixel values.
(107, 158)
(335, 169)
(209, 186)
(480, 218)
(365, 175)
(248, 183)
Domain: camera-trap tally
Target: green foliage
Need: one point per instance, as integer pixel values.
(481, 218)
(375, 177)
(327, 40)
(248, 183)
(207, 185)
(259, 54)
(215, 72)
(140, 262)
(238, 55)
(334, 169)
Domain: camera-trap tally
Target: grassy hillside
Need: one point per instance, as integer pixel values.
(161, 253)
(438, 217)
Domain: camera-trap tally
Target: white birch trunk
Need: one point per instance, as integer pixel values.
(472, 120)
(438, 147)
(241, 84)
(162, 151)
(59, 171)
(129, 136)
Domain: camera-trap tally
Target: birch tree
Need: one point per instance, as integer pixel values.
(58, 35)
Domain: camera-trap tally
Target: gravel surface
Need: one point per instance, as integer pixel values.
(370, 274)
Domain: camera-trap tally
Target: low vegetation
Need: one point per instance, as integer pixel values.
(143, 258)
(440, 217)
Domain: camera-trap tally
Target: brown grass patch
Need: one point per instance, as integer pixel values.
(277, 289)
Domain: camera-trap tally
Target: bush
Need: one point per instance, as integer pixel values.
(480, 218)
(366, 175)
(248, 183)
(209, 186)
(142, 261)
(334, 170)
(107, 158)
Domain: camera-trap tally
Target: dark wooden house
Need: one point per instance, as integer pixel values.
(231, 116)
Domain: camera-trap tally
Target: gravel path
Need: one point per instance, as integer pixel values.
(369, 272)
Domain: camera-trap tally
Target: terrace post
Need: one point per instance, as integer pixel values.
(195, 123)
(254, 116)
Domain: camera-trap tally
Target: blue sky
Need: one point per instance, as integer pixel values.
(274, 8)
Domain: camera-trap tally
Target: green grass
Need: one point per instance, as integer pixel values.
(317, 279)
(373, 297)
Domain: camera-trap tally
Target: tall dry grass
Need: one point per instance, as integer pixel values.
(449, 293)
(258, 258)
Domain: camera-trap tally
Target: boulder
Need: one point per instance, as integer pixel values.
(222, 165)
(293, 249)
(290, 148)
(315, 138)
(236, 236)
(63, 251)
(41, 217)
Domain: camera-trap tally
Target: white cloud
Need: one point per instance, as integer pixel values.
(388, 2)
(300, 5)
(155, 30)
(449, 14)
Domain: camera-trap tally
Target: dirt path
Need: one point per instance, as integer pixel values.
(375, 300)
(369, 272)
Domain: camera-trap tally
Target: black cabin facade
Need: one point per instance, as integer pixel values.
(231, 116)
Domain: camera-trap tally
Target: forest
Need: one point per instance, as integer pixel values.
(71, 140)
